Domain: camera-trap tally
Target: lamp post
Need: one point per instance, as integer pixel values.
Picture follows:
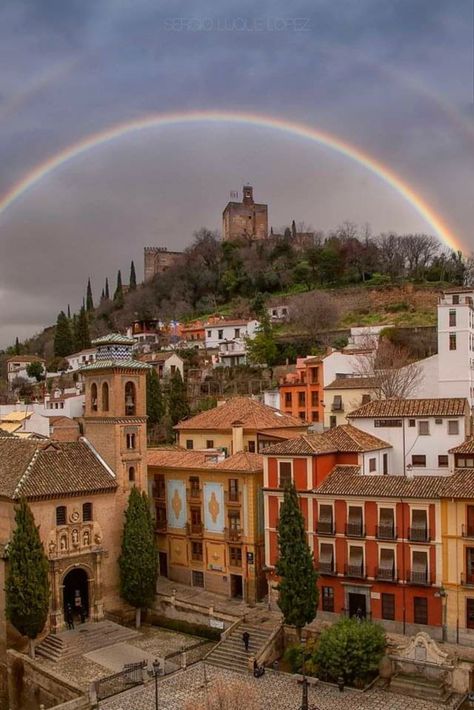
(156, 670)
(304, 682)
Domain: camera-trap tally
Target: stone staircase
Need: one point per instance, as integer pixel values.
(418, 686)
(231, 654)
(83, 639)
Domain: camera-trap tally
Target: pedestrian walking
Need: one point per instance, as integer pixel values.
(69, 617)
(246, 639)
(82, 614)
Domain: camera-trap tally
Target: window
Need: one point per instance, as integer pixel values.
(418, 460)
(235, 556)
(470, 613)
(385, 423)
(419, 526)
(189, 444)
(386, 526)
(196, 517)
(94, 397)
(252, 447)
(234, 489)
(332, 421)
(469, 565)
(131, 441)
(354, 521)
(288, 399)
(355, 568)
(194, 486)
(61, 515)
(455, 300)
(130, 399)
(234, 520)
(386, 570)
(210, 444)
(420, 610)
(196, 551)
(86, 512)
(328, 598)
(365, 398)
(159, 487)
(326, 558)
(453, 427)
(452, 341)
(372, 465)
(388, 606)
(315, 416)
(105, 397)
(465, 463)
(198, 579)
(314, 399)
(301, 399)
(284, 470)
(452, 317)
(131, 473)
(337, 403)
(419, 571)
(423, 428)
(160, 512)
(209, 334)
(442, 460)
(220, 335)
(236, 332)
(411, 422)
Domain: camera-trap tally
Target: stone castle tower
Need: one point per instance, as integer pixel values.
(246, 219)
(158, 260)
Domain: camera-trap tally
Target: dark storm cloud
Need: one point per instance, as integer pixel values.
(395, 78)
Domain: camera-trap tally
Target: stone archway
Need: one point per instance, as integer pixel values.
(76, 592)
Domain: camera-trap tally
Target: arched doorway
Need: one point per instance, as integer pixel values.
(76, 592)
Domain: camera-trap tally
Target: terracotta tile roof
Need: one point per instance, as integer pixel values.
(253, 415)
(467, 447)
(35, 469)
(347, 481)
(452, 407)
(344, 438)
(26, 358)
(460, 484)
(223, 323)
(351, 383)
(185, 459)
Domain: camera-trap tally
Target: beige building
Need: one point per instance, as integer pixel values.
(209, 520)
(246, 219)
(343, 395)
(240, 424)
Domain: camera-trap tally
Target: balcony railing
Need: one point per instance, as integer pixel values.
(419, 534)
(355, 529)
(195, 529)
(195, 492)
(158, 492)
(386, 532)
(386, 574)
(467, 580)
(468, 530)
(337, 407)
(355, 570)
(196, 558)
(325, 527)
(419, 577)
(161, 525)
(327, 568)
(232, 498)
(233, 534)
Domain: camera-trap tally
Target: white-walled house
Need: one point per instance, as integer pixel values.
(456, 343)
(78, 360)
(222, 331)
(165, 363)
(421, 431)
(16, 367)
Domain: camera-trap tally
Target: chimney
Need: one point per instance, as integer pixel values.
(237, 437)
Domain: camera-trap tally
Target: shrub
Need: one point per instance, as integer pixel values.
(351, 649)
(397, 307)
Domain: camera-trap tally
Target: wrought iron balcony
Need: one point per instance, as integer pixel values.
(195, 529)
(326, 527)
(467, 579)
(233, 534)
(386, 532)
(419, 577)
(386, 574)
(161, 525)
(233, 498)
(419, 534)
(355, 570)
(355, 529)
(327, 568)
(195, 492)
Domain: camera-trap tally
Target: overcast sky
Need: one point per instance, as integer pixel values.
(392, 77)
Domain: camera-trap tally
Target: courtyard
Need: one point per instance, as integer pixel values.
(186, 690)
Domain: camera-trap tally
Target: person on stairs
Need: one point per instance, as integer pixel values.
(246, 639)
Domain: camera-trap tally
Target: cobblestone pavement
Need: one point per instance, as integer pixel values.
(186, 691)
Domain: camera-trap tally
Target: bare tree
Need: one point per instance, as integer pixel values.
(228, 695)
(419, 250)
(391, 371)
(314, 311)
(391, 256)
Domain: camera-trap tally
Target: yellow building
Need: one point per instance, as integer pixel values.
(209, 519)
(343, 395)
(240, 424)
(457, 525)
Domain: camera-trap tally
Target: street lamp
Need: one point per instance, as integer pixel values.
(156, 671)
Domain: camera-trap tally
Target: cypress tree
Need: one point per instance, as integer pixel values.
(155, 408)
(102, 296)
(82, 338)
(107, 292)
(69, 311)
(27, 582)
(133, 278)
(63, 340)
(298, 599)
(293, 229)
(178, 407)
(138, 562)
(89, 299)
(118, 295)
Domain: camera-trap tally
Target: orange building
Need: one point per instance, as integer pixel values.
(301, 392)
(376, 539)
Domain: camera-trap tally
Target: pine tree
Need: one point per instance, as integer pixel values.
(82, 336)
(178, 407)
(107, 292)
(133, 278)
(63, 339)
(74, 333)
(155, 408)
(138, 560)
(27, 582)
(89, 299)
(298, 598)
(118, 295)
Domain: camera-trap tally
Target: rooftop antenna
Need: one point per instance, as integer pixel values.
(234, 194)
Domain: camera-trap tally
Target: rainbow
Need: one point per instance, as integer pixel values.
(295, 129)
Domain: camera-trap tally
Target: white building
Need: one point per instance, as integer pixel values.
(456, 343)
(365, 337)
(17, 365)
(421, 431)
(227, 331)
(165, 363)
(78, 360)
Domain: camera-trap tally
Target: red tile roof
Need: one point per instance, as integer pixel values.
(352, 383)
(166, 458)
(254, 416)
(452, 407)
(347, 481)
(467, 447)
(343, 438)
(460, 484)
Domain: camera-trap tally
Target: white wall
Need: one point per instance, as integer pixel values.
(229, 332)
(340, 363)
(456, 367)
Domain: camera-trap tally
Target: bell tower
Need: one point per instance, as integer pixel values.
(115, 409)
